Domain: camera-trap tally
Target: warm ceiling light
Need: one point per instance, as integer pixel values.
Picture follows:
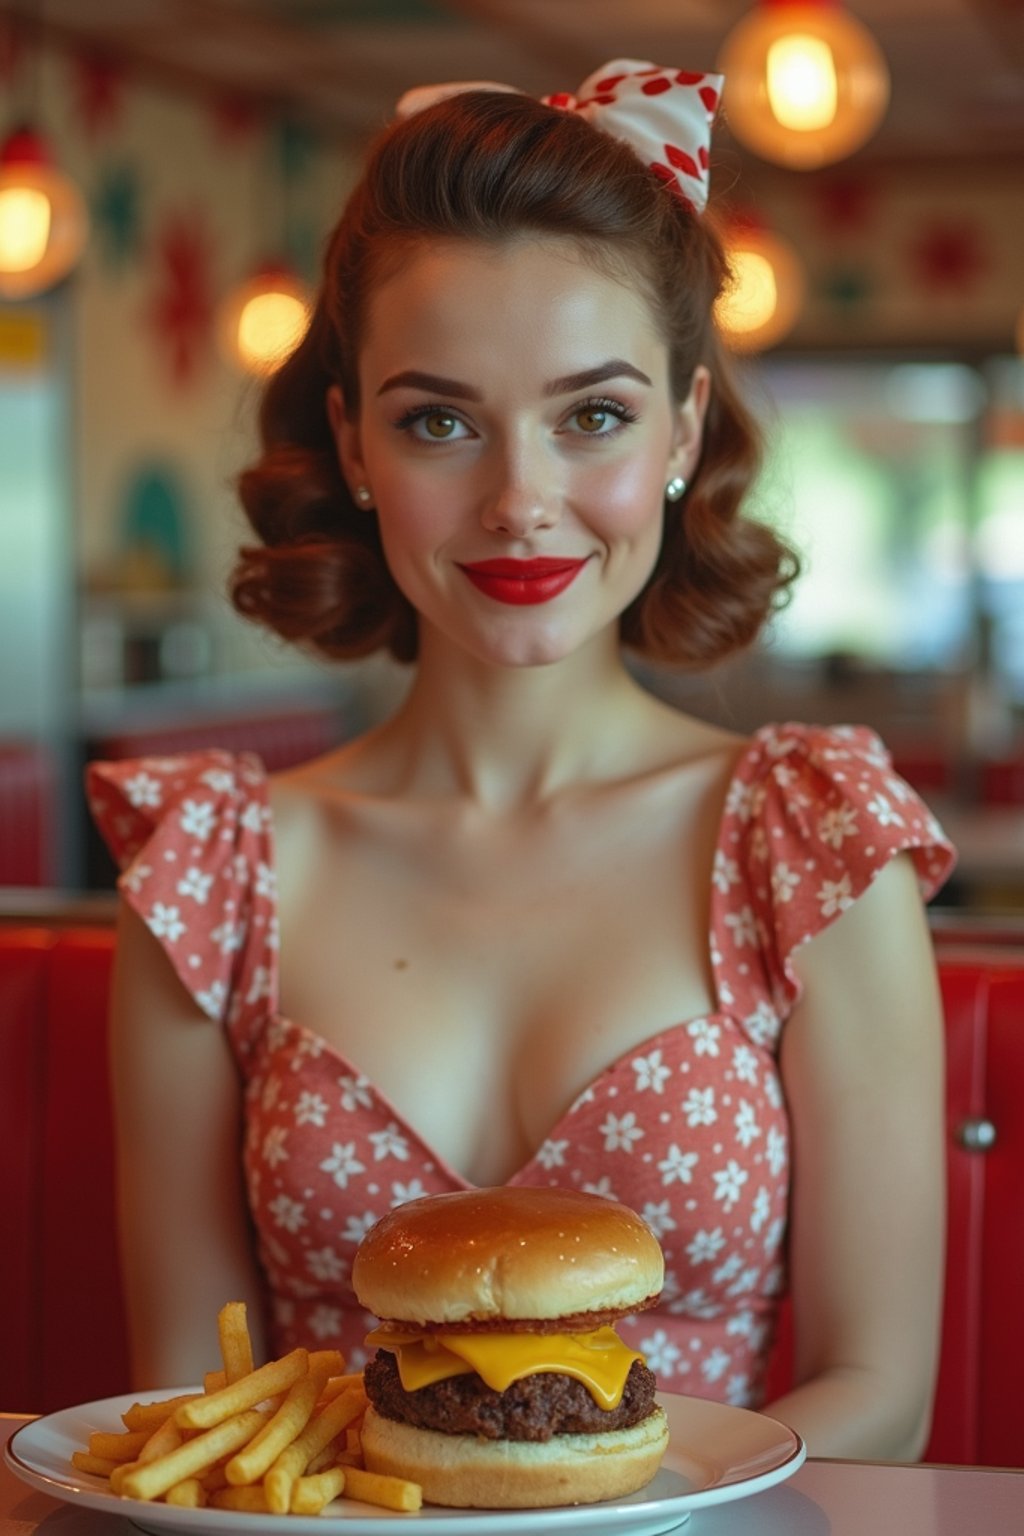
(764, 299)
(43, 222)
(264, 320)
(806, 84)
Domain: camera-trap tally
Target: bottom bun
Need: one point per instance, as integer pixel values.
(472, 1473)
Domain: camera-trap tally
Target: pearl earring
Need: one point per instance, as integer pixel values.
(676, 488)
(363, 495)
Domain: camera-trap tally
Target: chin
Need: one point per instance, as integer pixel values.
(499, 1381)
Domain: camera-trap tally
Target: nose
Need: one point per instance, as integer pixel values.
(522, 499)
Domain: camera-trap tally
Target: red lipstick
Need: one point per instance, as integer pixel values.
(522, 582)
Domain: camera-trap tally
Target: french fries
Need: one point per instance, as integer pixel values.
(281, 1438)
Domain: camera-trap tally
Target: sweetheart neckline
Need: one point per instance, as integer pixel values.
(642, 1047)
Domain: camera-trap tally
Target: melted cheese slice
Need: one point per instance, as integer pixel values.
(599, 1360)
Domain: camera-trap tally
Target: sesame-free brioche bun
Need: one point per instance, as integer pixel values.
(468, 1472)
(507, 1255)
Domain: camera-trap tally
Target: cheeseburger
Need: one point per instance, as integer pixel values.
(499, 1381)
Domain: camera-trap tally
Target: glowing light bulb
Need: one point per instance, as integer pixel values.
(269, 327)
(752, 301)
(801, 82)
(25, 218)
(263, 320)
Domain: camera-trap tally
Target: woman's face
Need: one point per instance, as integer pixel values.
(516, 432)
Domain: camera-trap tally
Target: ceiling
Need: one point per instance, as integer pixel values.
(957, 65)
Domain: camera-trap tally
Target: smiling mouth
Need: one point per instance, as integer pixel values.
(523, 582)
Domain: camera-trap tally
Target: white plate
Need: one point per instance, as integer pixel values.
(715, 1454)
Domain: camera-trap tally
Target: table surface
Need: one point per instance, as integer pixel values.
(825, 1498)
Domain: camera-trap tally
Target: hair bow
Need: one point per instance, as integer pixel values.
(663, 114)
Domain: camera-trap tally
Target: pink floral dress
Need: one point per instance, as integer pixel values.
(688, 1127)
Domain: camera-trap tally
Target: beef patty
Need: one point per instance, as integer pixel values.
(533, 1408)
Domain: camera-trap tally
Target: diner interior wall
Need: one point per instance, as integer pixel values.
(186, 197)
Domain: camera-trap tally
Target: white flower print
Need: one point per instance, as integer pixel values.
(759, 845)
(219, 780)
(885, 814)
(678, 1165)
(728, 1270)
(325, 1322)
(658, 1218)
(705, 1037)
(136, 877)
(738, 801)
(308, 1048)
(696, 1304)
(400, 1193)
(726, 872)
(744, 1064)
(650, 1072)
(342, 1163)
(745, 1282)
(715, 1364)
(144, 790)
(729, 1182)
(775, 1151)
(355, 1093)
(271, 1092)
(325, 1265)
(741, 1326)
(238, 869)
(165, 922)
(773, 1090)
(274, 1150)
(699, 1107)
(289, 1214)
(744, 926)
(737, 1390)
(255, 817)
(762, 1209)
(763, 1024)
(784, 882)
(745, 1121)
(552, 1153)
(389, 1143)
(197, 818)
(705, 1246)
(620, 1132)
(195, 884)
(835, 896)
(213, 998)
(266, 881)
(357, 1227)
(660, 1353)
(310, 1109)
(227, 937)
(602, 1187)
(838, 824)
(259, 986)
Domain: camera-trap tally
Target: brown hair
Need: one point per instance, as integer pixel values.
(490, 166)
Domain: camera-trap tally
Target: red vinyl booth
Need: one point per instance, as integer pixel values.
(62, 1337)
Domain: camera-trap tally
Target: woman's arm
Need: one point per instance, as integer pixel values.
(862, 1065)
(185, 1241)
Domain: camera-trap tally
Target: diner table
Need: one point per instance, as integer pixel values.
(823, 1498)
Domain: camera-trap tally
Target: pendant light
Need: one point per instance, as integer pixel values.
(765, 298)
(264, 318)
(43, 220)
(806, 83)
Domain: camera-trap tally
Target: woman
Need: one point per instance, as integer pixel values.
(537, 926)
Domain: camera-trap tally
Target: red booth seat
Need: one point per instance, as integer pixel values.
(62, 1336)
(27, 787)
(282, 738)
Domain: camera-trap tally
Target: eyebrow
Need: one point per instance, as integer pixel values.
(434, 383)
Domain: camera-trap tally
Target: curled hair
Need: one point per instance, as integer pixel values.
(488, 167)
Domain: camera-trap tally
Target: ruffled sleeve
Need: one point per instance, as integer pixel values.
(192, 838)
(813, 815)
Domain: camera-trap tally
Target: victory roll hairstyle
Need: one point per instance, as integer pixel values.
(492, 167)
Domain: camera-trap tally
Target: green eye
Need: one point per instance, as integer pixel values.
(439, 424)
(592, 419)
